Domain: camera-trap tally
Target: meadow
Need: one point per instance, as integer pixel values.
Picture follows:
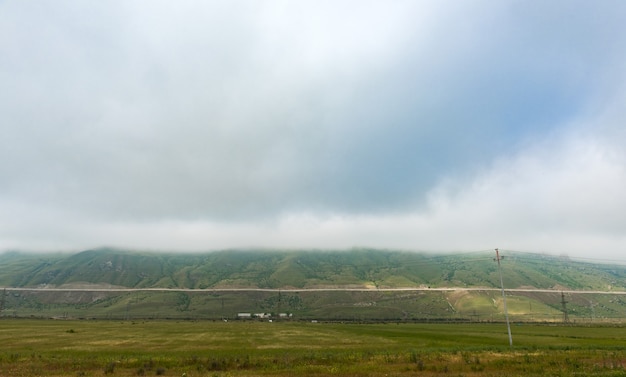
(250, 348)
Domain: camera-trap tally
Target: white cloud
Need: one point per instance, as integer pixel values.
(419, 125)
(561, 196)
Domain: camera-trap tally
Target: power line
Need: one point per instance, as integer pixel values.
(571, 258)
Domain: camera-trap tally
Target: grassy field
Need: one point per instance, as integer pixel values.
(207, 348)
(407, 306)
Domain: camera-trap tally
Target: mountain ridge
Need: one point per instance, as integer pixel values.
(346, 285)
(373, 268)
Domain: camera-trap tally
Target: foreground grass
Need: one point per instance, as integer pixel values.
(169, 348)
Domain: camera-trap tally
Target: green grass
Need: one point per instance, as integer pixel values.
(372, 305)
(206, 348)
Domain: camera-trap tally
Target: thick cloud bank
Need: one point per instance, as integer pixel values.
(422, 125)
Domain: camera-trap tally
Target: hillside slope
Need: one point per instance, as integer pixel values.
(193, 274)
(365, 268)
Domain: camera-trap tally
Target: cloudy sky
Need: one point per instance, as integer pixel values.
(416, 125)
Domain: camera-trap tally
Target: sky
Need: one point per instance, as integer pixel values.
(442, 126)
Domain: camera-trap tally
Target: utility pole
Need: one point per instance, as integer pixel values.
(506, 313)
(4, 296)
(279, 304)
(564, 306)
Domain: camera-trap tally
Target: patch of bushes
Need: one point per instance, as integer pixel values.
(109, 368)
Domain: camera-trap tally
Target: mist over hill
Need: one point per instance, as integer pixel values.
(367, 268)
(196, 283)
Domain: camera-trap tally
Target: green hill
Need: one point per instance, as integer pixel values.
(302, 269)
(194, 284)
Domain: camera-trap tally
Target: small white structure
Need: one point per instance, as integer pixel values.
(244, 315)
